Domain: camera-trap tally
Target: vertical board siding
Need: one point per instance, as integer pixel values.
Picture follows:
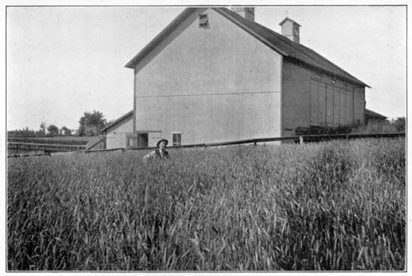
(329, 105)
(349, 110)
(342, 95)
(336, 105)
(312, 98)
(314, 106)
(296, 95)
(322, 104)
(359, 105)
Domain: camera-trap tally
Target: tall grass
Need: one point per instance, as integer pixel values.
(329, 206)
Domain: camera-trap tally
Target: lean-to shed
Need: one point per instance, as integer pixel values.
(119, 133)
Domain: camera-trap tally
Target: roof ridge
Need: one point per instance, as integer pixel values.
(242, 25)
(270, 31)
(278, 35)
(293, 44)
(298, 46)
(316, 59)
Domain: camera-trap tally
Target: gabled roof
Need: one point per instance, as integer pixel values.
(293, 51)
(372, 114)
(124, 118)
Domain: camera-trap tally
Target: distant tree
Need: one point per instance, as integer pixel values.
(91, 123)
(82, 127)
(399, 124)
(43, 127)
(65, 131)
(53, 130)
(25, 132)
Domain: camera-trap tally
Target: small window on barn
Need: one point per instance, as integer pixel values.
(131, 140)
(204, 21)
(177, 139)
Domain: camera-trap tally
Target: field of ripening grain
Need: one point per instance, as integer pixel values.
(327, 206)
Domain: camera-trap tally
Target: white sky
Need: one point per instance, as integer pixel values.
(64, 61)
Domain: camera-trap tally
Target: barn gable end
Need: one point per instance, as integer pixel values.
(206, 83)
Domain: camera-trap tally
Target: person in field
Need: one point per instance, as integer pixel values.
(159, 153)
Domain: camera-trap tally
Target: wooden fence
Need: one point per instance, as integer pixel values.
(64, 140)
(23, 146)
(294, 139)
(50, 149)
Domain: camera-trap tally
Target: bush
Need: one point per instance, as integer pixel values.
(319, 130)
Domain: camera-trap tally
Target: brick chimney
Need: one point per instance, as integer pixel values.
(246, 12)
(290, 29)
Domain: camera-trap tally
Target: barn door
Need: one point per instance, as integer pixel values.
(142, 140)
(329, 105)
(314, 104)
(322, 104)
(318, 103)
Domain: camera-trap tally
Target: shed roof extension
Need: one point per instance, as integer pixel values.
(371, 114)
(115, 123)
(294, 51)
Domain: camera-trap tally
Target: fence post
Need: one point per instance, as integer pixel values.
(301, 140)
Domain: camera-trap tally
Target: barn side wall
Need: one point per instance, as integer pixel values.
(210, 84)
(116, 138)
(311, 98)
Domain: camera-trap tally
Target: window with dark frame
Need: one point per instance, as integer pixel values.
(177, 139)
(204, 20)
(131, 140)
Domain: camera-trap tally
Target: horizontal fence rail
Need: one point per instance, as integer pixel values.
(56, 149)
(300, 139)
(54, 140)
(46, 148)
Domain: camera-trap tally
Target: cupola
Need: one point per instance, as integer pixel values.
(290, 29)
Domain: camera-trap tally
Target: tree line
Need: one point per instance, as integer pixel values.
(90, 124)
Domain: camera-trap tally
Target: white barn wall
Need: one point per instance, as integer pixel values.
(216, 84)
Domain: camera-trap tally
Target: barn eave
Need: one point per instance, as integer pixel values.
(117, 122)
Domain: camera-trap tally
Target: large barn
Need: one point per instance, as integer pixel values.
(215, 75)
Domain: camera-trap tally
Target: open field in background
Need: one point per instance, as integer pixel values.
(66, 140)
(329, 206)
(41, 145)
